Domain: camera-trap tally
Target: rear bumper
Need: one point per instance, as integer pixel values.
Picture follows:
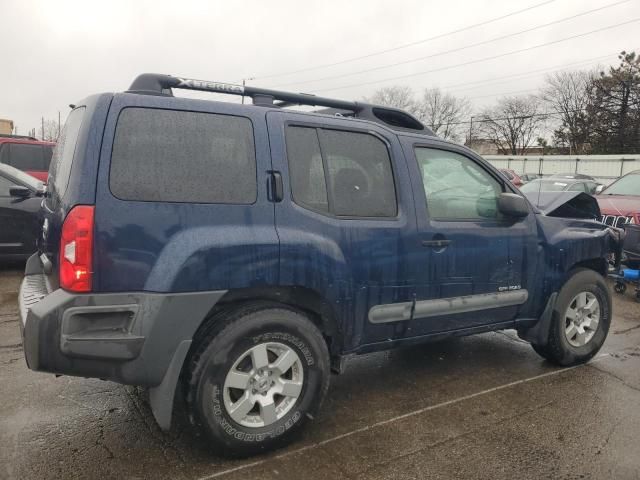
(129, 338)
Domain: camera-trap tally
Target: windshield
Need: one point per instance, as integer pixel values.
(543, 186)
(627, 185)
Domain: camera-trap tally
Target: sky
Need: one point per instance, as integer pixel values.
(56, 52)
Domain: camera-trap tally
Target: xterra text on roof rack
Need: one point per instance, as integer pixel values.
(237, 253)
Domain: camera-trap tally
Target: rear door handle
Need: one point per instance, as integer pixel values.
(277, 189)
(436, 243)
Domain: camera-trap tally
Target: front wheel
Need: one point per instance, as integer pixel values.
(580, 320)
(255, 379)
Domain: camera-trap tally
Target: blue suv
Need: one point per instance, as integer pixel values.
(237, 254)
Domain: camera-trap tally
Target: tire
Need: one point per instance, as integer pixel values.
(566, 345)
(228, 355)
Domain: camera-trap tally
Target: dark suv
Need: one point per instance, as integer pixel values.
(237, 253)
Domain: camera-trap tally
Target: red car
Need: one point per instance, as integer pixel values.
(620, 204)
(512, 176)
(27, 154)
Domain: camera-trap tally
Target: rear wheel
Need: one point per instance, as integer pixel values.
(254, 380)
(580, 320)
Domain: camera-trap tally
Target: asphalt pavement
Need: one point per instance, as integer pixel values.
(481, 407)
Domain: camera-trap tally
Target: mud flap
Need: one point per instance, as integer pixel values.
(539, 333)
(161, 397)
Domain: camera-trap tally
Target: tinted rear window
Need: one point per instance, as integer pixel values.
(62, 159)
(24, 156)
(177, 156)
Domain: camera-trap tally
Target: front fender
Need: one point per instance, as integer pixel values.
(567, 243)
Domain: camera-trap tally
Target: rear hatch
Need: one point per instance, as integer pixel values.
(57, 203)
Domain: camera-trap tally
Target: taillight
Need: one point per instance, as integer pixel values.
(76, 249)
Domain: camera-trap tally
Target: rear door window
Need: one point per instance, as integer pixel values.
(179, 156)
(344, 173)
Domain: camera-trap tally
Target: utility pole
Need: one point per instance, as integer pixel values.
(244, 82)
(470, 131)
(42, 128)
(58, 137)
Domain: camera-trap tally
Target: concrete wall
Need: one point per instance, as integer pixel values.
(604, 168)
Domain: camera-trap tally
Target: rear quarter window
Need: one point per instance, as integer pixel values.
(179, 156)
(62, 160)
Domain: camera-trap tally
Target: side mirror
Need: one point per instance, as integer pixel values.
(19, 192)
(599, 189)
(512, 205)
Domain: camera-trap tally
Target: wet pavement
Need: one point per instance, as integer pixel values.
(478, 407)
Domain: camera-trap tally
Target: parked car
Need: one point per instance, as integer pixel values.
(512, 176)
(620, 204)
(27, 154)
(550, 184)
(244, 251)
(20, 198)
(527, 177)
(594, 185)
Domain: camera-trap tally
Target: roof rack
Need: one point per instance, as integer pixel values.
(158, 84)
(22, 137)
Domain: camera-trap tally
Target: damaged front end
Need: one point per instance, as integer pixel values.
(591, 238)
(570, 237)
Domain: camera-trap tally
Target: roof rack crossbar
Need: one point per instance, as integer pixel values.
(158, 84)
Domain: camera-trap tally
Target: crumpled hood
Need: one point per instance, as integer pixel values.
(565, 204)
(623, 205)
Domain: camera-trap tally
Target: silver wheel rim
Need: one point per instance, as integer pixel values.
(582, 319)
(263, 385)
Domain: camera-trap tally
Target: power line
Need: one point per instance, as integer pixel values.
(406, 45)
(528, 73)
(453, 50)
(480, 60)
(483, 119)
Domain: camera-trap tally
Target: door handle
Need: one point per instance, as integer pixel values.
(277, 189)
(441, 243)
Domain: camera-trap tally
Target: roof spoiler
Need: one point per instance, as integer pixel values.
(159, 84)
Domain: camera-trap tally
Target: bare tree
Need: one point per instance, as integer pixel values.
(513, 124)
(50, 130)
(569, 95)
(442, 112)
(397, 96)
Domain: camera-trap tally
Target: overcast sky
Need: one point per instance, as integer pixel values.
(56, 52)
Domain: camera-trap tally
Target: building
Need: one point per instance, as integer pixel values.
(6, 126)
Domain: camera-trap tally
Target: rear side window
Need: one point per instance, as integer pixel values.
(60, 168)
(177, 156)
(343, 173)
